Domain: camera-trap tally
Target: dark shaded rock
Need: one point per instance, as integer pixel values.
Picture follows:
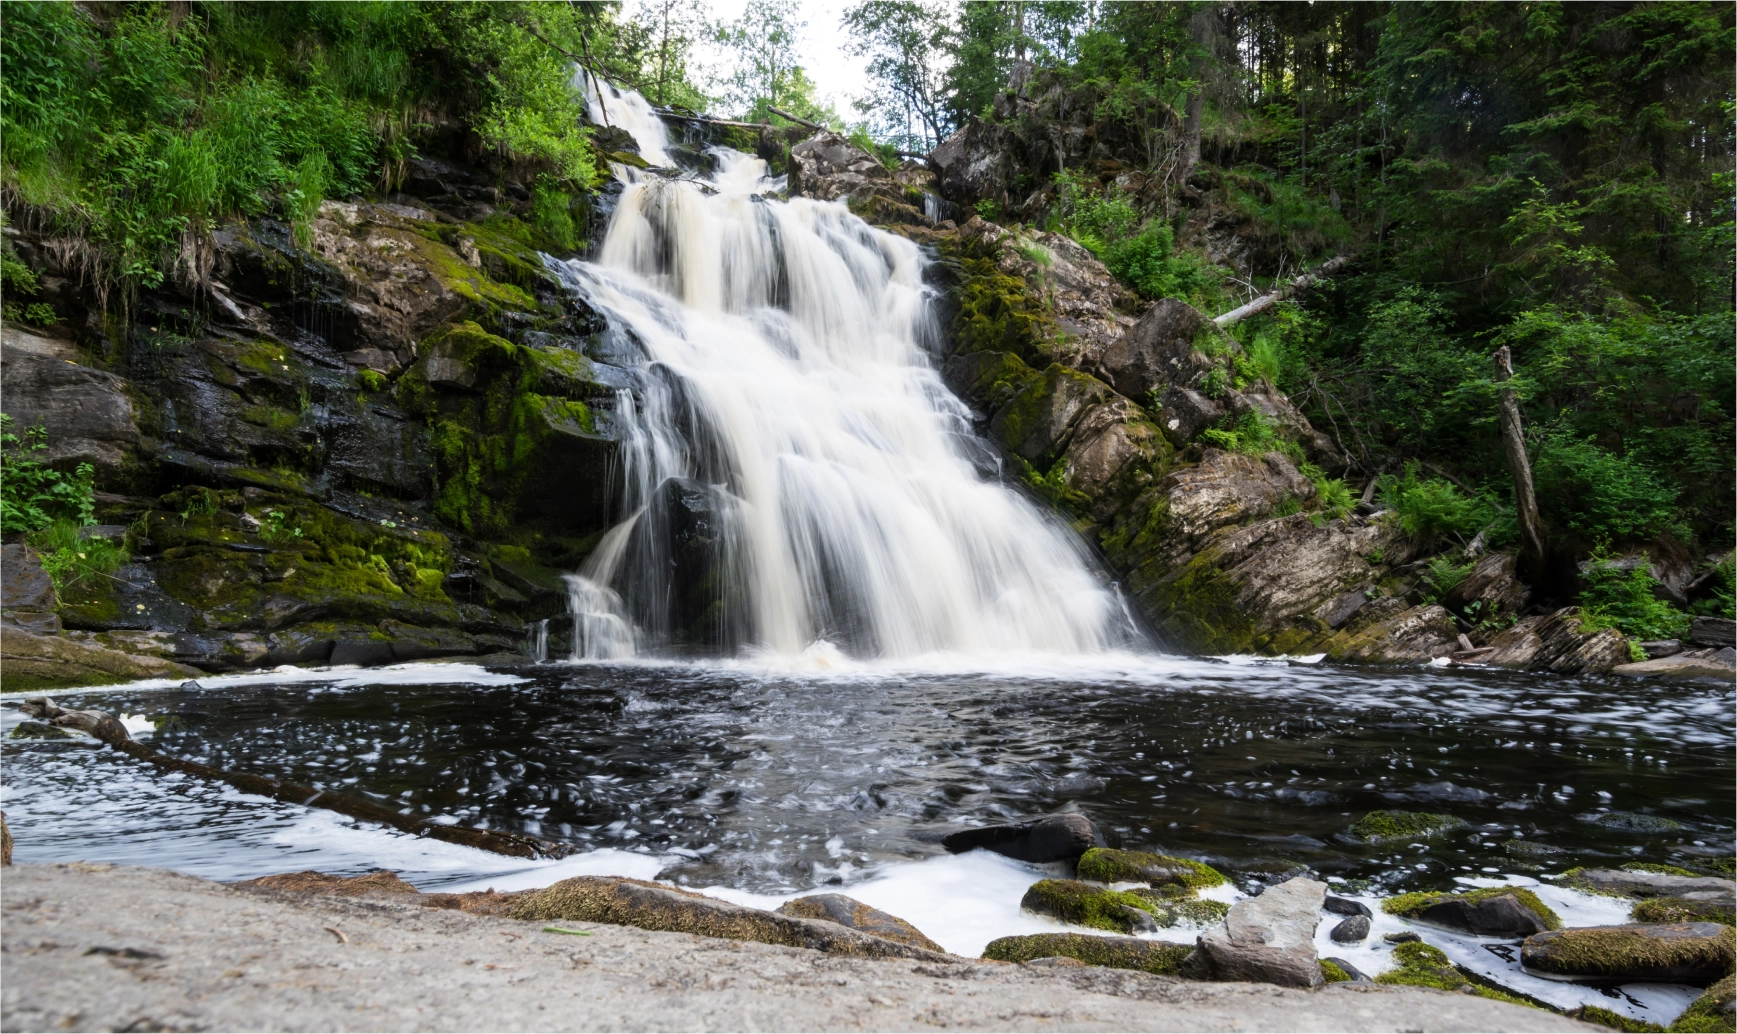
(1656, 648)
(649, 906)
(1633, 822)
(1491, 912)
(971, 165)
(27, 597)
(28, 730)
(1183, 413)
(1074, 902)
(1351, 930)
(1490, 590)
(1270, 938)
(1108, 865)
(846, 911)
(1402, 937)
(1157, 351)
(1158, 957)
(1650, 884)
(1554, 642)
(1053, 838)
(683, 539)
(1714, 632)
(1688, 953)
(1357, 976)
(1037, 423)
(1344, 607)
(1346, 907)
(1529, 849)
(87, 413)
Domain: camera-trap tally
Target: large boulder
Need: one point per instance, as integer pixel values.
(1554, 642)
(1667, 953)
(1487, 912)
(1270, 938)
(1085, 905)
(1183, 413)
(828, 167)
(849, 912)
(1108, 865)
(1053, 838)
(87, 413)
(972, 165)
(1157, 351)
(30, 662)
(1653, 884)
(1038, 423)
(1491, 589)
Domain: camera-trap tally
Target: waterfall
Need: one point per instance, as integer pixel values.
(796, 475)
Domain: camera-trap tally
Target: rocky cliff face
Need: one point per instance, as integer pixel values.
(380, 444)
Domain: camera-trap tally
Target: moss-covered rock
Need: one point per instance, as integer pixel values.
(1424, 965)
(1108, 865)
(1694, 953)
(849, 912)
(1712, 1012)
(1175, 905)
(1614, 1020)
(1074, 902)
(1495, 911)
(1381, 827)
(1684, 910)
(1331, 973)
(1159, 957)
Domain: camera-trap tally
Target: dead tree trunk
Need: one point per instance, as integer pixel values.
(106, 728)
(1272, 298)
(1514, 441)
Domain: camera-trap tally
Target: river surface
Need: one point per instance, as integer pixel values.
(760, 782)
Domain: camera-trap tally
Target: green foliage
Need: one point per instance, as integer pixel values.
(1136, 250)
(1252, 435)
(1602, 495)
(279, 526)
(373, 381)
(1332, 496)
(1433, 506)
(1721, 601)
(1624, 600)
(552, 213)
(1443, 575)
(69, 557)
(34, 495)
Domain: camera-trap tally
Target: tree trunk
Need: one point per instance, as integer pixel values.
(1200, 33)
(1525, 499)
(1272, 298)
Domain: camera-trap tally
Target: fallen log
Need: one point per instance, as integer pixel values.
(1272, 298)
(109, 730)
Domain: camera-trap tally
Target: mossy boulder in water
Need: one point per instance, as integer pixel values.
(1490, 911)
(1074, 902)
(1174, 906)
(1684, 910)
(849, 912)
(1108, 865)
(1158, 957)
(1641, 880)
(1712, 1011)
(1424, 965)
(1689, 953)
(1381, 827)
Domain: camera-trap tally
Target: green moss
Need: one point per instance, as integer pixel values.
(372, 381)
(1108, 865)
(1000, 313)
(1196, 608)
(270, 417)
(1711, 1011)
(1333, 974)
(1682, 910)
(1411, 906)
(1158, 957)
(1614, 1020)
(1657, 867)
(1074, 902)
(1423, 965)
(488, 298)
(1379, 827)
(1611, 950)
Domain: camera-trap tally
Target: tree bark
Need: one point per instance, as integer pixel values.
(1200, 33)
(1272, 298)
(1514, 441)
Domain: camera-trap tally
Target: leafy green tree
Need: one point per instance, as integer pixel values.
(905, 42)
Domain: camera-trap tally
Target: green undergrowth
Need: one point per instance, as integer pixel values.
(1138, 250)
(1413, 905)
(1252, 435)
(70, 557)
(1383, 826)
(1625, 600)
(34, 495)
(1711, 1012)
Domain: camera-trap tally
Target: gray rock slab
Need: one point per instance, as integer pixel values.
(1654, 884)
(1270, 938)
(173, 951)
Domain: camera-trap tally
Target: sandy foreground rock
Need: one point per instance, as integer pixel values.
(98, 947)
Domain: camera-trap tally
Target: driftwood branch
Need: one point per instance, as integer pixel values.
(1272, 298)
(109, 730)
(1514, 442)
(781, 113)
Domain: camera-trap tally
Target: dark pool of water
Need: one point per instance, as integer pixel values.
(774, 782)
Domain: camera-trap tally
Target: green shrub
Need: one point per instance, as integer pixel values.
(1253, 435)
(1443, 576)
(1266, 358)
(1624, 600)
(1432, 506)
(1136, 250)
(1721, 601)
(34, 495)
(68, 557)
(1602, 495)
(1331, 494)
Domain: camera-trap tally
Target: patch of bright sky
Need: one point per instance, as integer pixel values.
(841, 77)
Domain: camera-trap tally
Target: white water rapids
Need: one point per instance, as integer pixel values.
(787, 398)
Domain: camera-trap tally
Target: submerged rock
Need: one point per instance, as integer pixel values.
(1643, 884)
(651, 906)
(1692, 953)
(1633, 822)
(1382, 827)
(1074, 902)
(1159, 957)
(1270, 938)
(1489, 912)
(1053, 838)
(849, 912)
(1108, 865)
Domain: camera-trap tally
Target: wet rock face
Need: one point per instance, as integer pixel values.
(1039, 421)
(1053, 838)
(1269, 938)
(1690, 953)
(849, 912)
(87, 412)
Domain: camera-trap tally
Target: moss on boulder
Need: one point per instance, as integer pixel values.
(1381, 827)
(1074, 902)
(1712, 1012)
(1159, 957)
(1419, 904)
(1684, 910)
(1424, 965)
(1331, 973)
(1108, 865)
(1697, 953)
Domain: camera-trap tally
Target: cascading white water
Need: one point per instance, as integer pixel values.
(786, 397)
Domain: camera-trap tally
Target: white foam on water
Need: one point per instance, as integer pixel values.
(343, 676)
(607, 861)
